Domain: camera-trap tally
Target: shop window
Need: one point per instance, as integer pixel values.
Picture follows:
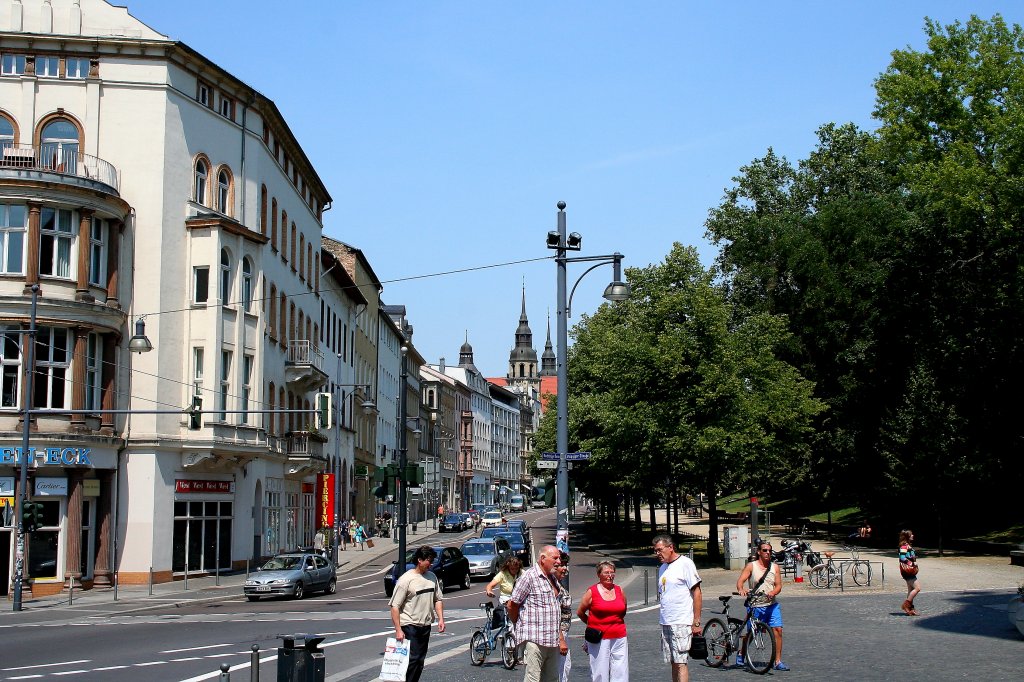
(10, 368)
(13, 64)
(202, 536)
(56, 240)
(43, 542)
(13, 224)
(98, 252)
(53, 359)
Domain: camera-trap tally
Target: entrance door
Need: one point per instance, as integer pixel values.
(6, 538)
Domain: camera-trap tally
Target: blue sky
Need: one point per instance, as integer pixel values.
(447, 131)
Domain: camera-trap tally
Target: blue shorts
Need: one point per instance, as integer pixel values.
(770, 614)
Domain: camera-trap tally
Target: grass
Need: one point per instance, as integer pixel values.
(1014, 534)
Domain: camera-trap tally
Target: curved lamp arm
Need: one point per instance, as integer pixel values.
(568, 305)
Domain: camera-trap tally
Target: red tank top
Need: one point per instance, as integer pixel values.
(607, 616)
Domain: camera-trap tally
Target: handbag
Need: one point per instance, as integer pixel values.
(396, 660)
(369, 542)
(698, 647)
(909, 569)
(593, 635)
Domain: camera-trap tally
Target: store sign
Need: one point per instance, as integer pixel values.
(196, 486)
(51, 486)
(6, 486)
(91, 487)
(50, 456)
(324, 500)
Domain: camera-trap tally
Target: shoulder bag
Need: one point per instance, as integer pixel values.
(750, 595)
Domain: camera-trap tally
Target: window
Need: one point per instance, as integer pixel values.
(225, 382)
(284, 237)
(6, 134)
(46, 67)
(302, 257)
(227, 108)
(201, 285)
(225, 277)
(272, 321)
(197, 371)
(263, 210)
(75, 67)
(273, 224)
(224, 192)
(58, 149)
(93, 371)
(203, 94)
(53, 357)
(246, 387)
(56, 238)
(246, 285)
(10, 368)
(13, 64)
(202, 174)
(293, 246)
(98, 252)
(13, 223)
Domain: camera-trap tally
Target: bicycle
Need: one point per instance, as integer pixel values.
(723, 640)
(830, 571)
(494, 635)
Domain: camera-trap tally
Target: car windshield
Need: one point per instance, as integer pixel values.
(489, 532)
(478, 549)
(453, 518)
(492, 515)
(514, 539)
(283, 563)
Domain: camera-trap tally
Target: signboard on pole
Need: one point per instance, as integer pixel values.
(569, 456)
(546, 464)
(325, 500)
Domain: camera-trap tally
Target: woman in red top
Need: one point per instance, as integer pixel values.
(603, 608)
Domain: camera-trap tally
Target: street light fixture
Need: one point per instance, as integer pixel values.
(140, 343)
(617, 290)
(369, 408)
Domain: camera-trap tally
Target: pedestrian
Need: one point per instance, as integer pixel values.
(535, 612)
(506, 580)
(681, 601)
(343, 534)
(319, 542)
(360, 535)
(352, 525)
(908, 571)
(417, 597)
(603, 608)
(564, 617)
(762, 580)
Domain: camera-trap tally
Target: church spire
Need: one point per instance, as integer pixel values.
(548, 360)
(522, 361)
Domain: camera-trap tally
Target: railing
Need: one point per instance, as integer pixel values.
(305, 353)
(305, 445)
(54, 158)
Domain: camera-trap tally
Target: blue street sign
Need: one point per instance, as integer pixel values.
(569, 456)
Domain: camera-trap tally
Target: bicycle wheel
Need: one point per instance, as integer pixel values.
(861, 571)
(478, 648)
(760, 647)
(718, 642)
(819, 576)
(508, 651)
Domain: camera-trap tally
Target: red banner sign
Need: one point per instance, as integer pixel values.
(193, 486)
(325, 500)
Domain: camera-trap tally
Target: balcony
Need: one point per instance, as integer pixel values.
(54, 163)
(304, 366)
(305, 451)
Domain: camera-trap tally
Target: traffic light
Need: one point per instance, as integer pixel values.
(195, 414)
(31, 516)
(324, 403)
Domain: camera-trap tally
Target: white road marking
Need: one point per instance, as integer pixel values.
(195, 648)
(47, 665)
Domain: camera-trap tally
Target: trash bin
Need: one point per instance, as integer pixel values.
(301, 659)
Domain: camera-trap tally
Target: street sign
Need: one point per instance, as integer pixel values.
(547, 464)
(569, 456)
(416, 491)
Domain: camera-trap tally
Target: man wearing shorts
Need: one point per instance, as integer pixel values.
(763, 598)
(679, 593)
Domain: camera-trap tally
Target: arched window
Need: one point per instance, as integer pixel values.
(309, 262)
(309, 329)
(284, 235)
(302, 256)
(273, 224)
(283, 336)
(202, 177)
(225, 277)
(302, 324)
(7, 134)
(263, 210)
(521, 373)
(284, 415)
(293, 247)
(270, 416)
(224, 191)
(58, 145)
(246, 285)
(272, 322)
(291, 322)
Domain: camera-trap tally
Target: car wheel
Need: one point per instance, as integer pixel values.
(252, 597)
(300, 591)
(467, 581)
(332, 586)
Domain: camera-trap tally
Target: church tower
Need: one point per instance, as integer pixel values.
(548, 361)
(522, 361)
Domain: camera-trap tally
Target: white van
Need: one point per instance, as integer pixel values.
(517, 503)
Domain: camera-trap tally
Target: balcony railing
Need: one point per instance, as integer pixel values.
(305, 445)
(55, 158)
(305, 353)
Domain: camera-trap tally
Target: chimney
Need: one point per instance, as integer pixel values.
(440, 366)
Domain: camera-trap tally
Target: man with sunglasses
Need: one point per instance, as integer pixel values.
(763, 577)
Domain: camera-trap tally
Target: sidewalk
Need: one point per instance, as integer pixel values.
(207, 588)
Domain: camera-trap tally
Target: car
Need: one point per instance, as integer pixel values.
(492, 518)
(477, 508)
(520, 526)
(467, 520)
(292, 575)
(518, 545)
(538, 503)
(492, 531)
(486, 555)
(450, 567)
(517, 503)
(452, 522)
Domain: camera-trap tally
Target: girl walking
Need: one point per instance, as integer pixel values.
(908, 571)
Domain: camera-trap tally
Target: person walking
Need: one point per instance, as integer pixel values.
(343, 534)
(762, 580)
(320, 542)
(908, 571)
(681, 601)
(535, 612)
(564, 617)
(352, 525)
(417, 597)
(603, 608)
(506, 580)
(360, 535)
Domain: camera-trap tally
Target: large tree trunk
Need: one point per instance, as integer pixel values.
(653, 512)
(638, 515)
(675, 510)
(713, 554)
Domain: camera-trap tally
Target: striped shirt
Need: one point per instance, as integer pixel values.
(539, 608)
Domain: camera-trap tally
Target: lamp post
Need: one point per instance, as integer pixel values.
(617, 290)
(402, 460)
(368, 408)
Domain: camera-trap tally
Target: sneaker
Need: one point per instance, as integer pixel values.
(739, 661)
(781, 666)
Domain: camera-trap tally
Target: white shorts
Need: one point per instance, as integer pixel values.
(675, 643)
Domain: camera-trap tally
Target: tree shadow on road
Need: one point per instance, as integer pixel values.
(982, 614)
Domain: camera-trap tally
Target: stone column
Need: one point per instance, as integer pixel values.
(115, 232)
(82, 283)
(78, 362)
(73, 553)
(102, 575)
(32, 257)
(109, 401)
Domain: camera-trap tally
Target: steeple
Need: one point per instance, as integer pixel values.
(548, 367)
(466, 353)
(522, 361)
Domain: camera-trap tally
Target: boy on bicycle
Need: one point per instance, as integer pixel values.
(762, 580)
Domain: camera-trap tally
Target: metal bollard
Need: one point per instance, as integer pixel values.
(305, 664)
(186, 576)
(647, 599)
(246, 569)
(71, 592)
(115, 586)
(254, 664)
(150, 581)
(690, 553)
(225, 676)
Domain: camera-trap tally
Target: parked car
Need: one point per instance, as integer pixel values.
(291, 575)
(517, 503)
(453, 523)
(518, 545)
(485, 555)
(492, 518)
(450, 567)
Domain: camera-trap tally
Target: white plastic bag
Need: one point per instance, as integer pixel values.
(396, 660)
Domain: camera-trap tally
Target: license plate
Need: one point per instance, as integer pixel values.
(263, 588)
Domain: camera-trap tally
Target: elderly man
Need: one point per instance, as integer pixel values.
(681, 601)
(416, 598)
(535, 611)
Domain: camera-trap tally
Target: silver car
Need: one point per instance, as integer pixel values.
(485, 555)
(292, 575)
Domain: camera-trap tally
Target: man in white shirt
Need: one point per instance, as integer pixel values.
(681, 601)
(416, 598)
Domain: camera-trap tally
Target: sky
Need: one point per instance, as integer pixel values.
(446, 132)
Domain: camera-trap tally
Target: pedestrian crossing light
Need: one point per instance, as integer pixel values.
(31, 516)
(195, 414)
(324, 403)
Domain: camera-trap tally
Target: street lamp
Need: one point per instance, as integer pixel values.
(369, 407)
(402, 459)
(617, 290)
